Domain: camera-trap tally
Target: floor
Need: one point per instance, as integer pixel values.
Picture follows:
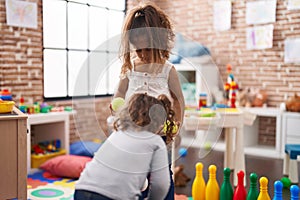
(270, 168)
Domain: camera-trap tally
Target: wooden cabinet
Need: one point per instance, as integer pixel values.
(13, 131)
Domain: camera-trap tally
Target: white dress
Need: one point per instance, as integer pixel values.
(151, 84)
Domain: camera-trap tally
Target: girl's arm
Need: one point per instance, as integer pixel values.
(176, 92)
(122, 88)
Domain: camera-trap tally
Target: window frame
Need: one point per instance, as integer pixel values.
(107, 52)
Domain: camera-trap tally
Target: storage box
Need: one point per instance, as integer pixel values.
(6, 106)
(37, 160)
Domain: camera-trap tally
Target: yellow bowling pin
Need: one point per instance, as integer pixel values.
(212, 191)
(263, 193)
(198, 188)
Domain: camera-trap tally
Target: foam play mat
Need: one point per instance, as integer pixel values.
(43, 186)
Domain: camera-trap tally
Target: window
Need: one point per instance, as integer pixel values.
(81, 42)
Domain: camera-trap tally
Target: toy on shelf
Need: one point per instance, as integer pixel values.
(230, 87)
(46, 147)
(37, 149)
(5, 95)
(6, 106)
(57, 109)
(45, 108)
(252, 97)
(202, 100)
(293, 103)
(41, 108)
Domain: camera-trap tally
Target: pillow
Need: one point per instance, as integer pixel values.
(84, 148)
(66, 165)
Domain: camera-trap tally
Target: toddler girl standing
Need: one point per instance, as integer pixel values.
(147, 39)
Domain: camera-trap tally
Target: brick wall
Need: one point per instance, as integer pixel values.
(21, 71)
(264, 69)
(21, 68)
(21, 58)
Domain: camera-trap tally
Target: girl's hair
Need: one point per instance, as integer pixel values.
(151, 22)
(144, 112)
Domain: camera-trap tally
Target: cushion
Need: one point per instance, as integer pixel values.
(66, 165)
(84, 148)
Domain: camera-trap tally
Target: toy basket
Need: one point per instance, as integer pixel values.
(37, 160)
(6, 106)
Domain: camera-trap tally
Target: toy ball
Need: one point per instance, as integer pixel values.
(117, 103)
(182, 152)
(286, 182)
(207, 146)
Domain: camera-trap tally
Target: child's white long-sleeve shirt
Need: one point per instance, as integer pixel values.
(121, 165)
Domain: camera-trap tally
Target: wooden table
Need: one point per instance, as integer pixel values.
(232, 121)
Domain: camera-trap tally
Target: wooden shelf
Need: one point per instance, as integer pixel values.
(45, 127)
(13, 183)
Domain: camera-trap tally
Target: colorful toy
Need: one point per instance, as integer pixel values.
(23, 108)
(207, 146)
(253, 192)
(231, 88)
(6, 106)
(278, 190)
(212, 191)
(202, 100)
(182, 152)
(294, 192)
(5, 95)
(45, 108)
(117, 103)
(37, 149)
(263, 192)
(36, 107)
(286, 182)
(68, 108)
(226, 191)
(46, 147)
(199, 186)
(240, 191)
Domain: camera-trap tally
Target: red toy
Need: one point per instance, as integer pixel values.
(240, 192)
(37, 149)
(231, 88)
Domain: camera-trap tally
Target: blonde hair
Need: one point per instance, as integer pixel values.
(144, 112)
(147, 20)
